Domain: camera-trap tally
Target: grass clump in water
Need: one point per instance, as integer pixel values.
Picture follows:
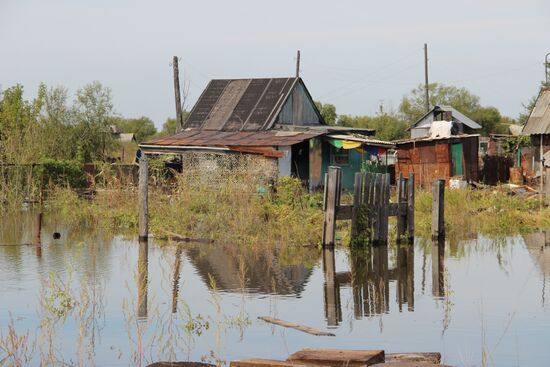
(488, 212)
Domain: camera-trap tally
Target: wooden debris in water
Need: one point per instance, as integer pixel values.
(259, 362)
(409, 364)
(179, 238)
(337, 357)
(434, 358)
(305, 329)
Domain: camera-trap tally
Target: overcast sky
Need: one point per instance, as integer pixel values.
(355, 54)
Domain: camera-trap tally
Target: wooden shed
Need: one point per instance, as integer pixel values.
(438, 158)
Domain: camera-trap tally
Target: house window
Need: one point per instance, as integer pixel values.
(339, 156)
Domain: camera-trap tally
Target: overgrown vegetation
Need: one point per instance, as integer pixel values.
(488, 212)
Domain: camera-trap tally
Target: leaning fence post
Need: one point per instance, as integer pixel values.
(410, 208)
(438, 212)
(400, 223)
(143, 198)
(331, 202)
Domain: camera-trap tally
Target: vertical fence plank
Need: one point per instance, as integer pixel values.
(357, 201)
(400, 225)
(331, 204)
(410, 208)
(377, 198)
(438, 214)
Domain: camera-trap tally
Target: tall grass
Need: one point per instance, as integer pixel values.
(488, 212)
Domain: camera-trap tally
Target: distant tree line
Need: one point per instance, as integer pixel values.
(392, 125)
(51, 126)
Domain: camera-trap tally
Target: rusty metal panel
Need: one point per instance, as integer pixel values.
(442, 152)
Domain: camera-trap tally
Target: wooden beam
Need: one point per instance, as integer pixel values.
(337, 357)
(143, 220)
(291, 325)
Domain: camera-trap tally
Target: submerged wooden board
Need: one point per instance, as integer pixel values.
(260, 362)
(409, 364)
(434, 358)
(338, 357)
(305, 329)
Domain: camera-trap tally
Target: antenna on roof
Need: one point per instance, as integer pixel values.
(298, 64)
(426, 77)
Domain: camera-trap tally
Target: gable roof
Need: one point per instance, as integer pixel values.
(459, 116)
(539, 118)
(242, 104)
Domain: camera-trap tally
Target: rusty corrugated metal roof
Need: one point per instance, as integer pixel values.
(240, 104)
(539, 119)
(214, 138)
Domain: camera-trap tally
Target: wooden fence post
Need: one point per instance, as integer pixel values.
(357, 202)
(376, 208)
(400, 206)
(438, 210)
(331, 203)
(410, 208)
(143, 198)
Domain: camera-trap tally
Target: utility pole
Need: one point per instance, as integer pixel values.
(179, 117)
(546, 69)
(298, 64)
(426, 77)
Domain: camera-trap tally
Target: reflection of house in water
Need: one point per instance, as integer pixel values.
(538, 245)
(265, 270)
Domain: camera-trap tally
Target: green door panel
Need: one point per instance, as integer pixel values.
(458, 168)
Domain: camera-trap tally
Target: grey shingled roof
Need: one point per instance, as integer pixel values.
(539, 119)
(240, 104)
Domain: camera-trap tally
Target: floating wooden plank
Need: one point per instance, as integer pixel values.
(338, 357)
(259, 362)
(180, 364)
(409, 364)
(179, 238)
(287, 324)
(434, 358)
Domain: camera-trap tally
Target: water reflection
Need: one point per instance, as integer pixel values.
(142, 278)
(438, 269)
(333, 309)
(256, 270)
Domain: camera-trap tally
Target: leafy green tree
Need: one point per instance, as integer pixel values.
(170, 125)
(328, 111)
(413, 106)
(388, 126)
(92, 111)
(143, 127)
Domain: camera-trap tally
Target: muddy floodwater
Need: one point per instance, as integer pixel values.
(95, 298)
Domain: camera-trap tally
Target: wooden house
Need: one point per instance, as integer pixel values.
(438, 158)
(461, 123)
(538, 128)
(276, 121)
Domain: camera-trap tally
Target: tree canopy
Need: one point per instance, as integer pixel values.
(413, 106)
(143, 127)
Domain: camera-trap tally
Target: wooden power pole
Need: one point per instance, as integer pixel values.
(298, 64)
(179, 116)
(426, 77)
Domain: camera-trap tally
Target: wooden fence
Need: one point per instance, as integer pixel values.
(371, 207)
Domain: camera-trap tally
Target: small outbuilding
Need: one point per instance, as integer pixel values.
(461, 124)
(430, 158)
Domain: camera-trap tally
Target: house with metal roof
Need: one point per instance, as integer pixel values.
(538, 128)
(461, 124)
(272, 118)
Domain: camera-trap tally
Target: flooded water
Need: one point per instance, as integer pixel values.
(91, 298)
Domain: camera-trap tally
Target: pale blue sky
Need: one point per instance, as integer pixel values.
(355, 54)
